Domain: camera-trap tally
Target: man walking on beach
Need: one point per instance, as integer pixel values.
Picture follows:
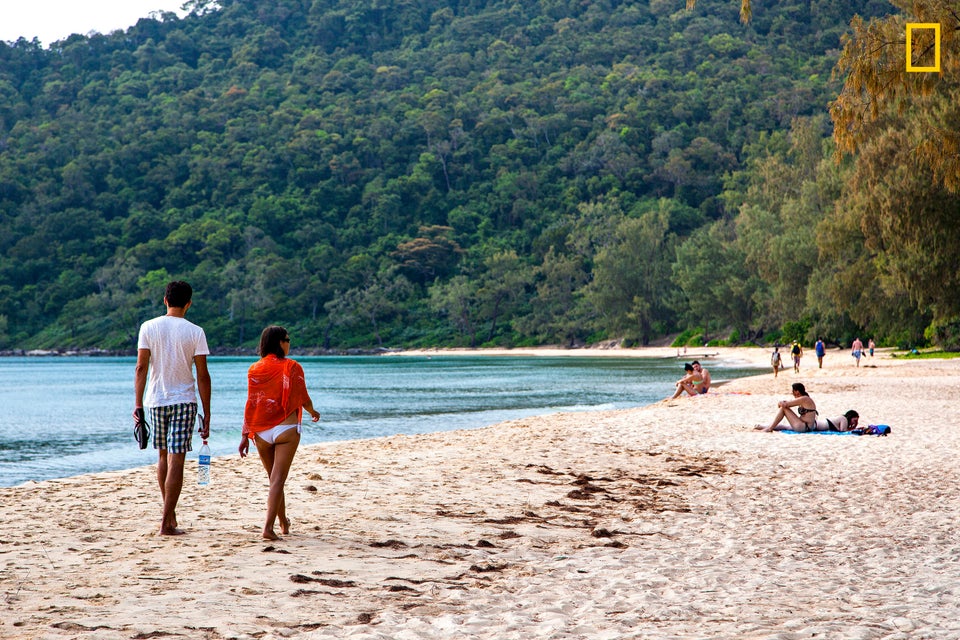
(797, 352)
(856, 349)
(168, 349)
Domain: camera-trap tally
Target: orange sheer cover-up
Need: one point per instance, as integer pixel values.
(275, 389)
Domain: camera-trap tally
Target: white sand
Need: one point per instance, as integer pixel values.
(671, 521)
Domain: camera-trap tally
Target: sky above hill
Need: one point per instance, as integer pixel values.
(52, 20)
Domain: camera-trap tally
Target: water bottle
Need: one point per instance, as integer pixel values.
(203, 469)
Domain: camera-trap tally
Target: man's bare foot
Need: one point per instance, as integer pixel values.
(171, 531)
(270, 535)
(284, 525)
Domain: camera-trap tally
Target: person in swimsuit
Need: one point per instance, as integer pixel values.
(805, 418)
(846, 422)
(702, 381)
(276, 397)
(856, 350)
(686, 382)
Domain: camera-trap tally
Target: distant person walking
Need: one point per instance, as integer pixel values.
(796, 351)
(871, 345)
(821, 351)
(168, 349)
(775, 361)
(857, 350)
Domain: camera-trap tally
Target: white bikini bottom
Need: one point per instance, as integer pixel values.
(270, 435)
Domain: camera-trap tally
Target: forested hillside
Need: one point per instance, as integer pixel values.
(393, 173)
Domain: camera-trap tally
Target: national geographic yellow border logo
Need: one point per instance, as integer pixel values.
(936, 46)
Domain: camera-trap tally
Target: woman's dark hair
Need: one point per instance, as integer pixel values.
(270, 341)
(849, 415)
(687, 366)
(799, 388)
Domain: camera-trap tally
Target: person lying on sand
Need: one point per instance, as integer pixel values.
(846, 422)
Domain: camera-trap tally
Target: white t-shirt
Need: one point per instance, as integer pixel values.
(173, 342)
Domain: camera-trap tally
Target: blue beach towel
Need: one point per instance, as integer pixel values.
(869, 430)
(821, 433)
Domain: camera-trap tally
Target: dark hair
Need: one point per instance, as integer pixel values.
(270, 340)
(849, 415)
(687, 366)
(799, 388)
(178, 294)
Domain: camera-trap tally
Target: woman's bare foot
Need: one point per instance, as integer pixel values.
(270, 535)
(284, 525)
(171, 531)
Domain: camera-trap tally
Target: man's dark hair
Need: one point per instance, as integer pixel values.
(178, 294)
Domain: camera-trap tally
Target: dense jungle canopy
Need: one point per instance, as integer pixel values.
(483, 172)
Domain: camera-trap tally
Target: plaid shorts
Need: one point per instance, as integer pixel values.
(173, 427)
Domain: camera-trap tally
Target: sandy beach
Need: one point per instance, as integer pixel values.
(676, 520)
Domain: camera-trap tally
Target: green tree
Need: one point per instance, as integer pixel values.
(456, 299)
(559, 310)
(631, 276)
(371, 304)
(710, 271)
(503, 283)
(879, 91)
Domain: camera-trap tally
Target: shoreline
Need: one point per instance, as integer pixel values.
(674, 520)
(735, 357)
(755, 354)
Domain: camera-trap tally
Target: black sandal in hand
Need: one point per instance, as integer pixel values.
(141, 430)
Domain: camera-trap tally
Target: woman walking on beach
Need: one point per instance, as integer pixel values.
(805, 419)
(276, 397)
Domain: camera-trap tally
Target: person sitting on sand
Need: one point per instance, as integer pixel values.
(276, 397)
(702, 385)
(846, 422)
(695, 383)
(685, 383)
(805, 418)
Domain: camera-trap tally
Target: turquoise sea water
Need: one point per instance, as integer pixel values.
(64, 416)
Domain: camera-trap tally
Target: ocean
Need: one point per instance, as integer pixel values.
(65, 416)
